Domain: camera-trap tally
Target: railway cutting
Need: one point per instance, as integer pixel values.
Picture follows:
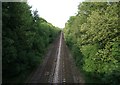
(58, 66)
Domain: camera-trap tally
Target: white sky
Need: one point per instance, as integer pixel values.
(56, 12)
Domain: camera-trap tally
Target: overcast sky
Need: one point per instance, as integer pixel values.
(56, 12)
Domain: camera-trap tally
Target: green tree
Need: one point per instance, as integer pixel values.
(25, 38)
(95, 31)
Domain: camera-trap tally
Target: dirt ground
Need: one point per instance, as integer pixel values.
(68, 72)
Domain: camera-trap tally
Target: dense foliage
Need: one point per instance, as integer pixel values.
(25, 37)
(94, 38)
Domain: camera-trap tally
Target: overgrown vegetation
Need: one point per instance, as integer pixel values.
(25, 37)
(94, 38)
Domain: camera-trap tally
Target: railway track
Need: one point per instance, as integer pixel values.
(57, 66)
